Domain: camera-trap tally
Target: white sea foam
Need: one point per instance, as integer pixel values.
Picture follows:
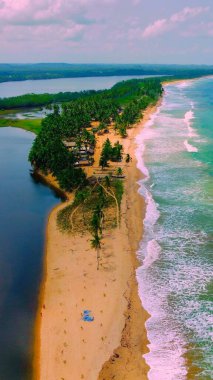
(190, 148)
(173, 271)
(152, 213)
(165, 356)
(184, 84)
(146, 134)
(189, 116)
(166, 348)
(153, 251)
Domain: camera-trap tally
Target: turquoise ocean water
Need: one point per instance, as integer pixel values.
(175, 154)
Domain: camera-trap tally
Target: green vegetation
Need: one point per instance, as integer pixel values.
(119, 172)
(67, 132)
(17, 72)
(49, 153)
(109, 152)
(32, 125)
(90, 203)
(38, 100)
(121, 93)
(93, 211)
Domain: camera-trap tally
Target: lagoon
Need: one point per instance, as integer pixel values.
(51, 86)
(24, 208)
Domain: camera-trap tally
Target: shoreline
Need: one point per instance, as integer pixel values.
(126, 345)
(125, 316)
(179, 81)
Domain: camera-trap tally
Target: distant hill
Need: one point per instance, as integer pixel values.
(19, 72)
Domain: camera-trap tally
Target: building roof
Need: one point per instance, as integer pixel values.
(69, 144)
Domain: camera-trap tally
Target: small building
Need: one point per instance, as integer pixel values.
(90, 151)
(83, 163)
(84, 152)
(70, 145)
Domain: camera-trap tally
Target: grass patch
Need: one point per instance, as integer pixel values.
(32, 125)
(119, 190)
(63, 218)
(82, 217)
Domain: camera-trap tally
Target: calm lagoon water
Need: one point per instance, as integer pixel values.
(8, 89)
(175, 152)
(24, 208)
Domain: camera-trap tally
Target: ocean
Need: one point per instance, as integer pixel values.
(175, 154)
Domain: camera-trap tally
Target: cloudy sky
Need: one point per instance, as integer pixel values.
(111, 31)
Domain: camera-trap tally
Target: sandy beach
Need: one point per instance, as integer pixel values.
(111, 346)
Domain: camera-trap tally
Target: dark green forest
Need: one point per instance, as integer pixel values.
(18, 72)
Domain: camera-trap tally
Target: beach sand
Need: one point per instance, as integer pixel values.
(110, 347)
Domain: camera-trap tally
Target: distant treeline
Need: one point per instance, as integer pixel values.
(39, 100)
(19, 72)
(121, 91)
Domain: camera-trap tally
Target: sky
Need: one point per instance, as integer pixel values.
(107, 31)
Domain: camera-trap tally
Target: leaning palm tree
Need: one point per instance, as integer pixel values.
(96, 244)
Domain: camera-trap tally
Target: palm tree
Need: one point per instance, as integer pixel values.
(119, 171)
(107, 181)
(96, 244)
(97, 220)
(103, 161)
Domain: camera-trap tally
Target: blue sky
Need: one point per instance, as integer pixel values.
(111, 31)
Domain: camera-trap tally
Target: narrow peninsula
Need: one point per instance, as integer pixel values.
(90, 321)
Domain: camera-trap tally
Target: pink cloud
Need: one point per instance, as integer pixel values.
(187, 13)
(160, 26)
(156, 28)
(25, 12)
(44, 19)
